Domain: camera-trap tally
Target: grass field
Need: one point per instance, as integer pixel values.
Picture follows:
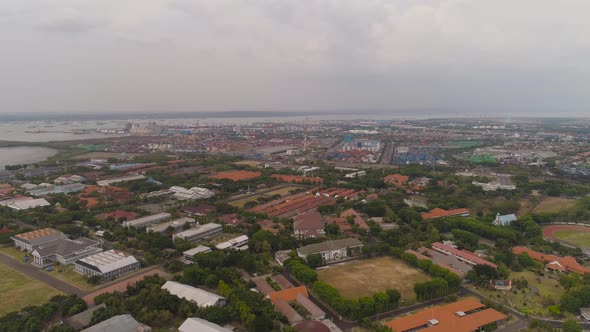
(543, 291)
(554, 204)
(240, 202)
(67, 274)
(13, 253)
(366, 277)
(19, 291)
(577, 237)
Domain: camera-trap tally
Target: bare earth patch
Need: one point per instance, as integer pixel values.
(366, 277)
(554, 204)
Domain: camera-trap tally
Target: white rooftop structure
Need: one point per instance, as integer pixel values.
(108, 261)
(201, 297)
(191, 194)
(24, 203)
(198, 250)
(200, 325)
(108, 182)
(148, 220)
(177, 224)
(239, 243)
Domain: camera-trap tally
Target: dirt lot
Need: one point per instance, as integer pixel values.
(367, 277)
(554, 204)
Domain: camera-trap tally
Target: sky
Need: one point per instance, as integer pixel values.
(505, 56)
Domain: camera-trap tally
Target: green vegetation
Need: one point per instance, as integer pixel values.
(22, 291)
(577, 237)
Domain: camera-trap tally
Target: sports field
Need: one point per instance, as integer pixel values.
(19, 290)
(366, 277)
(573, 234)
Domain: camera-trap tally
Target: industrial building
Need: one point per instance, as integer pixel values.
(108, 182)
(108, 265)
(200, 232)
(201, 297)
(149, 220)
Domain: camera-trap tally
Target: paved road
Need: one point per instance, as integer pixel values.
(41, 275)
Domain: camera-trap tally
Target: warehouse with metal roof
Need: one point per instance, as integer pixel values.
(108, 265)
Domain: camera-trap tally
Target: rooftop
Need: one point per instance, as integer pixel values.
(289, 294)
(120, 323)
(329, 245)
(200, 325)
(107, 261)
(201, 297)
(446, 318)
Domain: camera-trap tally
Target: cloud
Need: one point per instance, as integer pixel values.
(265, 54)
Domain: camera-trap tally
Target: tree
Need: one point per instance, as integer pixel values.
(571, 326)
(314, 260)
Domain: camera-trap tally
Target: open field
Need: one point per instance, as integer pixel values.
(554, 204)
(543, 291)
(282, 191)
(366, 277)
(67, 274)
(20, 291)
(576, 235)
(251, 163)
(14, 253)
(241, 202)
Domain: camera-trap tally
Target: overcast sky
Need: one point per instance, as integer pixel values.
(207, 55)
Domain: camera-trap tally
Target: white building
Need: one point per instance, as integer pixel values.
(148, 220)
(108, 182)
(332, 250)
(193, 193)
(190, 254)
(200, 232)
(201, 297)
(177, 224)
(24, 203)
(200, 325)
(108, 265)
(238, 243)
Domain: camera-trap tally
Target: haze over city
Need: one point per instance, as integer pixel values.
(455, 56)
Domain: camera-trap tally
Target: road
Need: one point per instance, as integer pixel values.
(39, 274)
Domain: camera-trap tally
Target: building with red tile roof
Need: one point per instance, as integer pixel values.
(553, 262)
(308, 225)
(269, 226)
(466, 315)
(442, 213)
(297, 179)
(288, 295)
(357, 218)
(236, 175)
(396, 180)
(118, 215)
(463, 255)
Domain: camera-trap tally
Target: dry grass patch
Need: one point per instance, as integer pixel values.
(554, 204)
(366, 277)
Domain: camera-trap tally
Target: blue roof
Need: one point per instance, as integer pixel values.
(506, 219)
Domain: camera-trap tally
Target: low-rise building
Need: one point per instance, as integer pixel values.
(463, 255)
(200, 325)
(108, 182)
(200, 232)
(201, 297)
(24, 203)
(61, 189)
(308, 225)
(176, 225)
(238, 243)
(504, 220)
(189, 255)
(466, 315)
(442, 213)
(119, 323)
(30, 240)
(193, 193)
(554, 263)
(108, 265)
(148, 220)
(64, 251)
(332, 250)
(118, 215)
